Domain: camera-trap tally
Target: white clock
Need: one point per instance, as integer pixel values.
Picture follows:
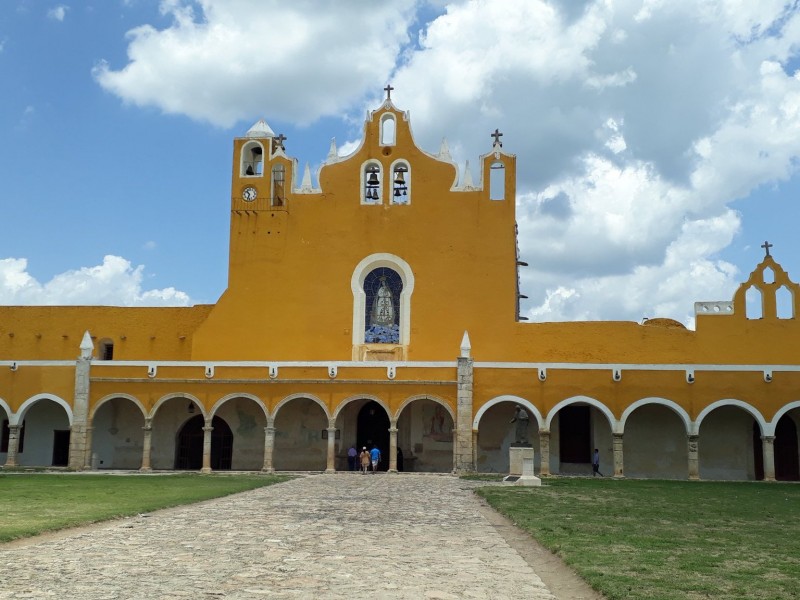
(249, 194)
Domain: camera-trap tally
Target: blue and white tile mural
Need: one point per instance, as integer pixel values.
(381, 334)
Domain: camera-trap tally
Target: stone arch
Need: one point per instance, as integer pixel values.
(431, 397)
(110, 397)
(246, 416)
(364, 268)
(507, 398)
(17, 418)
(171, 396)
(291, 397)
(769, 429)
(612, 421)
(356, 397)
(4, 405)
(754, 412)
(675, 407)
(233, 396)
(426, 426)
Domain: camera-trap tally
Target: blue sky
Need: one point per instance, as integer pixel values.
(658, 144)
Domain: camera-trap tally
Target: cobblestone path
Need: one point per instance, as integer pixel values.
(324, 536)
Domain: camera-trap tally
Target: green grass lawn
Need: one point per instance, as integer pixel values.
(34, 503)
(666, 539)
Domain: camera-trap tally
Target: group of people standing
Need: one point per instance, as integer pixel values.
(365, 458)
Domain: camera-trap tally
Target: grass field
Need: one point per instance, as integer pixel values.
(34, 503)
(666, 539)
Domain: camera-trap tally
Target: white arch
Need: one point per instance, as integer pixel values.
(612, 421)
(350, 399)
(7, 408)
(183, 395)
(754, 412)
(367, 265)
(20, 415)
(678, 409)
(507, 398)
(436, 399)
(110, 397)
(291, 397)
(772, 425)
(224, 399)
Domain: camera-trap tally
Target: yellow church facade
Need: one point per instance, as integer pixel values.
(381, 307)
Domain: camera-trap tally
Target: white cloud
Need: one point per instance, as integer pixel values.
(150, 245)
(115, 282)
(58, 13)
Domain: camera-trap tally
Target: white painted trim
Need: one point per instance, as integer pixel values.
(7, 408)
(687, 420)
(612, 421)
(772, 425)
(37, 363)
(291, 397)
(185, 396)
(430, 397)
(363, 268)
(288, 364)
(233, 396)
(355, 397)
(635, 366)
(754, 412)
(20, 414)
(507, 398)
(110, 397)
(407, 165)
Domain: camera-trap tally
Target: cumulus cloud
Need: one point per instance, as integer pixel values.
(58, 13)
(115, 282)
(635, 123)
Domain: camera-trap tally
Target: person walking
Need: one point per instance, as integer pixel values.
(596, 463)
(375, 457)
(352, 455)
(364, 457)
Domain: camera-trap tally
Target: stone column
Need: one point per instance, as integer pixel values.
(694, 459)
(393, 448)
(619, 471)
(207, 449)
(13, 445)
(269, 444)
(544, 452)
(475, 448)
(80, 405)
(146, 441)
(463, 437)
(331, 466)
(768, 450)
(87, 457)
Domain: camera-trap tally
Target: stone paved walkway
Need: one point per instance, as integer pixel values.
(325, 536)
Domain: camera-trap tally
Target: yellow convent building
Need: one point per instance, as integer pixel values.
(382, 307)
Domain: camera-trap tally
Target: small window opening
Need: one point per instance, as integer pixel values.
(768, 275)
(252, 160)
(497, 181)
(372, 184)
(400, 184)
(784, 303)
(278, 181)
(754, 307)
(106, 350)
(388, 130)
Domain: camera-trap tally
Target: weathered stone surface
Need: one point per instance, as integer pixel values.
(324, 536)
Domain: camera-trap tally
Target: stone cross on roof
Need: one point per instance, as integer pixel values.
(766, 246)
(388, 89)
(497, 135)
(280, 139)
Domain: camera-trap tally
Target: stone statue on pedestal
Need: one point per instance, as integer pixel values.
(521, 419)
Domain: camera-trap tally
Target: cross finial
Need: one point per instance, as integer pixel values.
(497, 135)
(388, 89)
(280, 139)
(766, 246)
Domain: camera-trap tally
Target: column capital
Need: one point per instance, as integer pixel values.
(208, 428)
(392, 429)
(769, 439)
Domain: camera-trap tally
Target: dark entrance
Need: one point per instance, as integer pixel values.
(189, 449)
(787, 463)
(574, 434)
(373, 429)
(60, 447)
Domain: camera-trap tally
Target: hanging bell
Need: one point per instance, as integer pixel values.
(397, 192)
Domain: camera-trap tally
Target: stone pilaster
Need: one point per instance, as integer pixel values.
(393, 448)
(331, 463)
(463, 438)
(80, 405)
(146, 442)
(694, 457)
(544, 452)
(13, 445)
(619, 470)
(87, 457)
(269, 444)
(768, 450)
(207, 449)
(475, 448)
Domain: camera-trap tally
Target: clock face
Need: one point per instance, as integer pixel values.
(249, 194)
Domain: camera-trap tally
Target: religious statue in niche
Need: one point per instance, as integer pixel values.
(383, 287)
(521, 419)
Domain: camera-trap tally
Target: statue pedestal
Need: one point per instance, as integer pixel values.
(520, 460)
